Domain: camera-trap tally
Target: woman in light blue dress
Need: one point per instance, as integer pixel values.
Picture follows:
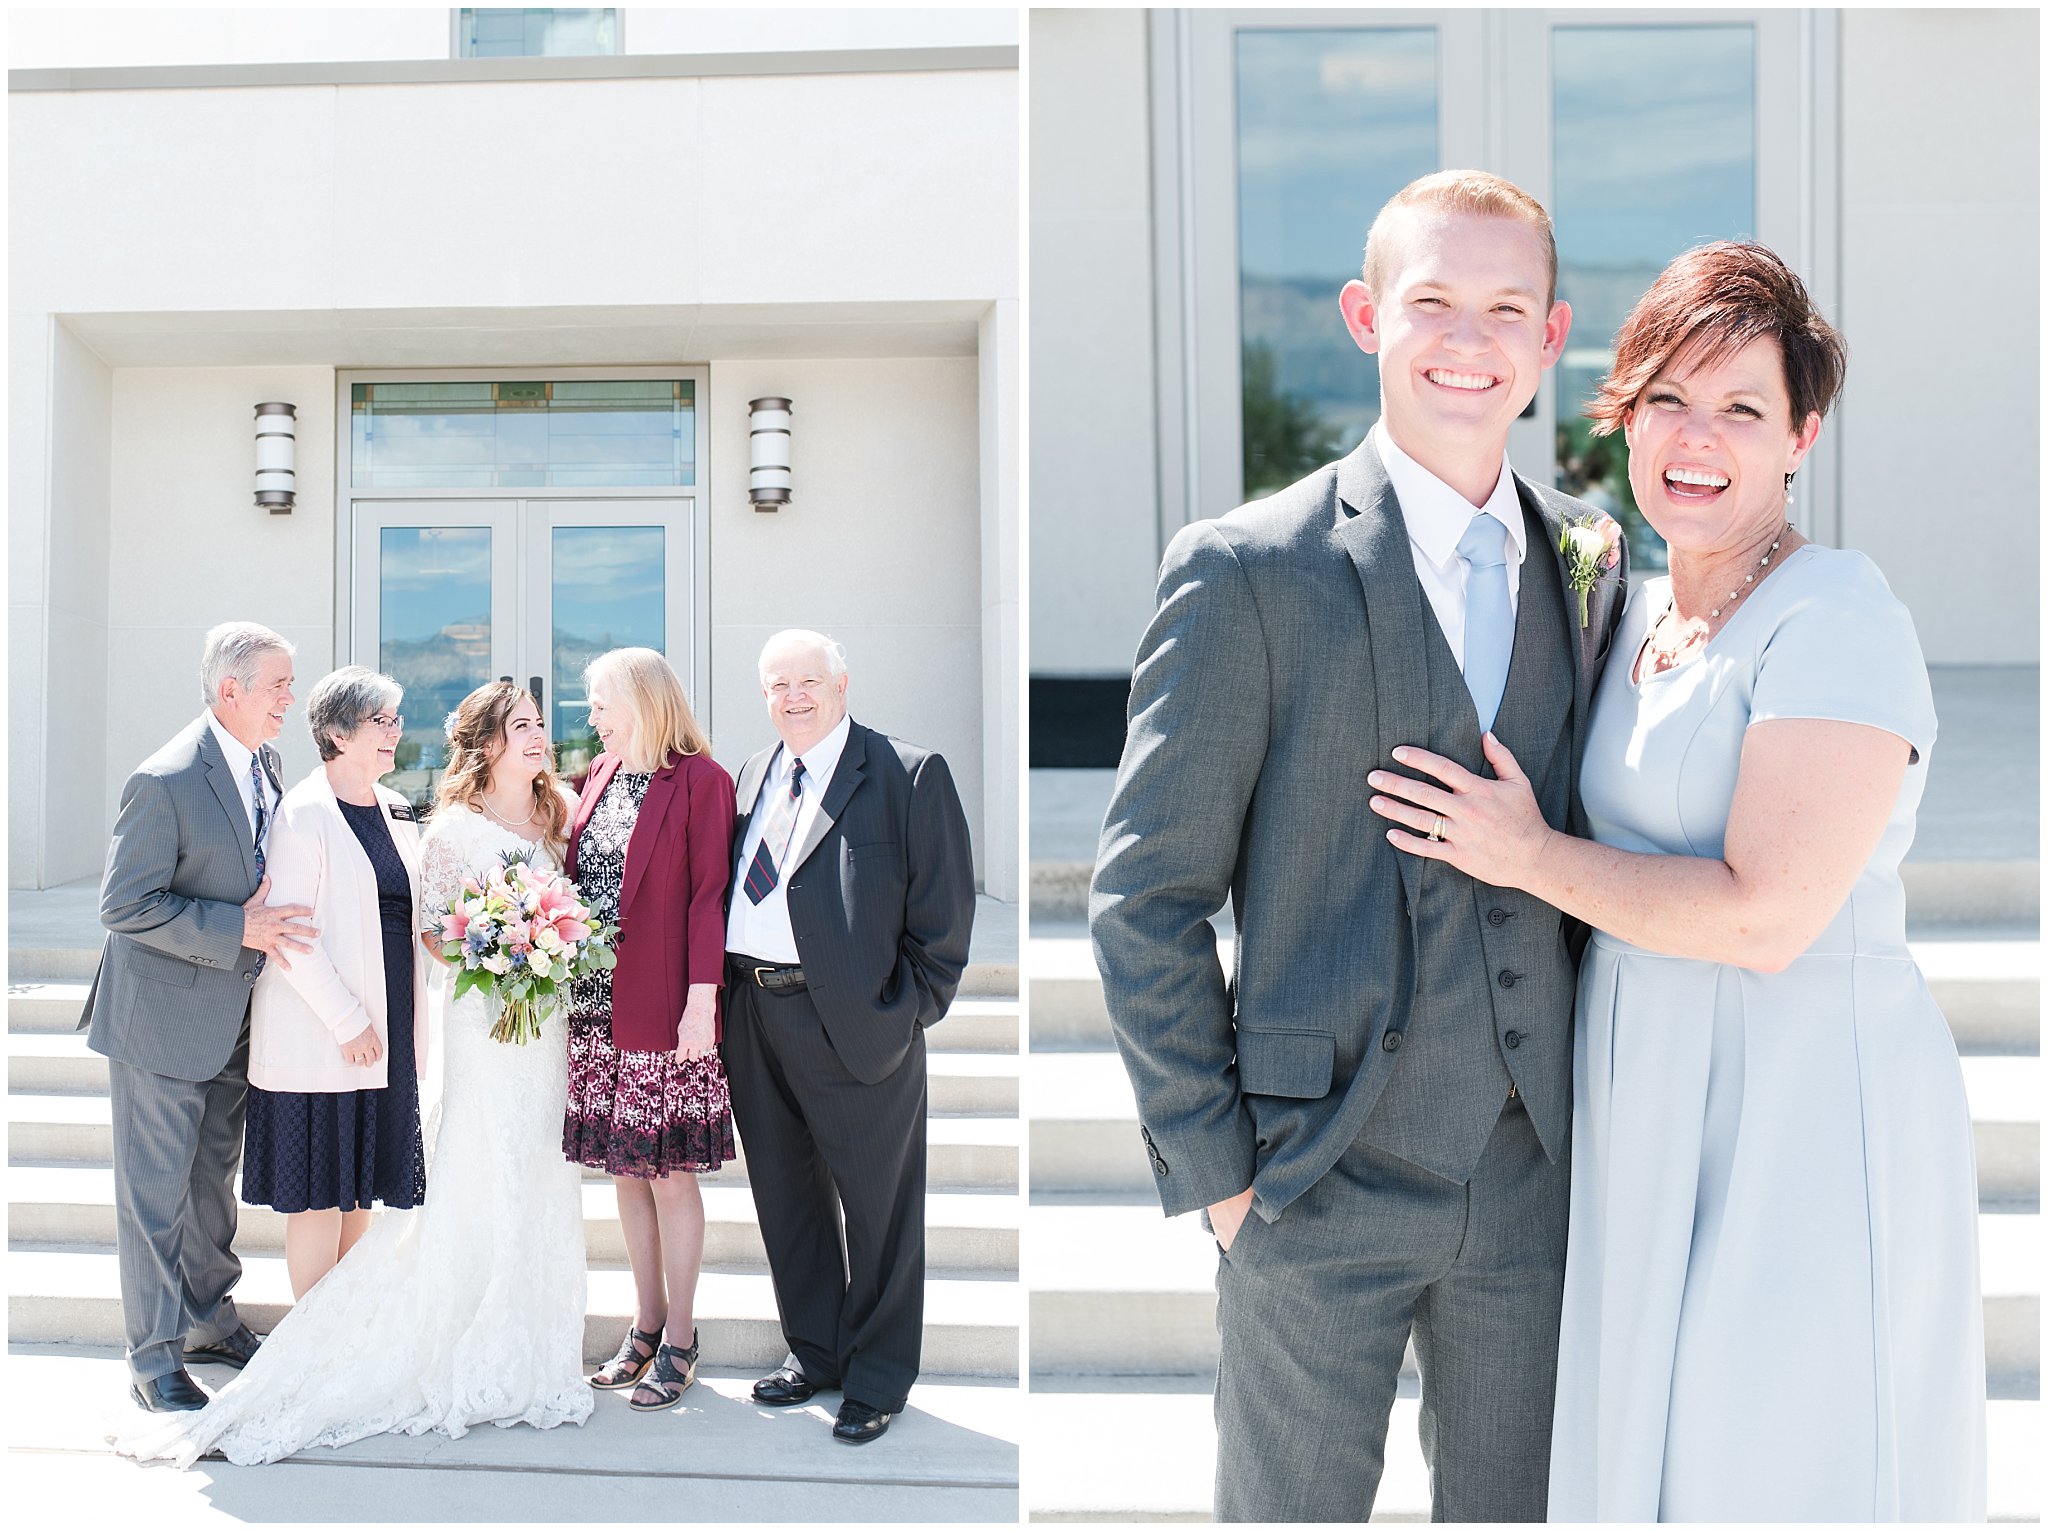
(1772, 1308)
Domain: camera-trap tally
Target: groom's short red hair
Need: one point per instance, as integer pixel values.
(1477, 192)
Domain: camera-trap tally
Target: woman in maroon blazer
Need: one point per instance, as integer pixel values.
(651, 848)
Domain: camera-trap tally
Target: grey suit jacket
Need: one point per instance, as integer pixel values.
(1285, 660)
(174, 978)
(881, 895)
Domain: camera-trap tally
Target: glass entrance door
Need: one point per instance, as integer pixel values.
(448, 594)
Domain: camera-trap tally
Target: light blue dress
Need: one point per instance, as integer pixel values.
(1771, 1306)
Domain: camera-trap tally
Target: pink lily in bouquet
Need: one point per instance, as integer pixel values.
(520, 932)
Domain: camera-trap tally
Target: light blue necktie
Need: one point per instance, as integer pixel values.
(1489, 619)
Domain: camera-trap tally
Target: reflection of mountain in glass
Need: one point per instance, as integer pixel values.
(1310, 394)
(437, 672)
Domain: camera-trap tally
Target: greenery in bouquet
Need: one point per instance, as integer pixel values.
(521, 933)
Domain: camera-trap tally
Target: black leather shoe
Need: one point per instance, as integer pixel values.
(858, 1424)
(171, 1393)
(783, 1386)
(234, 1350)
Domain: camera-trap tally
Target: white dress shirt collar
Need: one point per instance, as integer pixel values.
(820, 761)
(1437, 514)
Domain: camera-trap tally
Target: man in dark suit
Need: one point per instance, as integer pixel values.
(1383, 1080)
(188, 931)
(852, 902)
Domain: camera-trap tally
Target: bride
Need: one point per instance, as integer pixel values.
(468, 1310)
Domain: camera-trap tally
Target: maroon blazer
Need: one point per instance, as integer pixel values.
(672, 903)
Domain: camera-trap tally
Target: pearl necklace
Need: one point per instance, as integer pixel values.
(1665, 658)
(511, 823)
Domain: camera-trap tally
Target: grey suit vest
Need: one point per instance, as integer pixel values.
(1494, 978)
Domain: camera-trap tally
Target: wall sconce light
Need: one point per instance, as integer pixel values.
(768, 485)
(276, 442)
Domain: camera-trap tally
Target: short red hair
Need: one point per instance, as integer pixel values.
(1712, 302)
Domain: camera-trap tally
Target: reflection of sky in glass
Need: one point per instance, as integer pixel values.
(508, 435)
(609, 592)
(434, 607)
(1329, 125)
(537, 32)
(1655, 143)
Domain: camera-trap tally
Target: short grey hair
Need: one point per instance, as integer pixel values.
(235, 650)
(835, 656)
(342, 702)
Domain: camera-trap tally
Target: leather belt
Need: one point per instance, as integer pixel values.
(773, 977)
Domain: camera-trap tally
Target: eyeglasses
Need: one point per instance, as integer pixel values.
(389, 724)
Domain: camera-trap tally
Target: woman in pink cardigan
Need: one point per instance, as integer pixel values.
(337, 1040)
(651, 848)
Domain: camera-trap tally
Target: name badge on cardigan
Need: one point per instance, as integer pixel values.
(403, 812)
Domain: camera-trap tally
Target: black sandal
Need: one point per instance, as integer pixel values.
(669, 1378)
(636, 1354)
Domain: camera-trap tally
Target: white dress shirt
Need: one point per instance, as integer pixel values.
(763, 929)
(239, 755)
(1437, 515)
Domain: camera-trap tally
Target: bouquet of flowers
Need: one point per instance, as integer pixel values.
(520, 932)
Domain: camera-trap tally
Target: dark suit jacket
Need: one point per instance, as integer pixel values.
(881, 895)
(174, 979)
(1285, 661)
(672, 903)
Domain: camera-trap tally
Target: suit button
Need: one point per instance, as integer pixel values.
(1507, 979)
(1512, 1038)
(1498, 916)
(1391, 1042)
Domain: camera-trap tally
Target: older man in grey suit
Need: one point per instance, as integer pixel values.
(188, 931)
(1385, 1078)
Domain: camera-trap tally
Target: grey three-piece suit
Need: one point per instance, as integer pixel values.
(170, 1009)
(1388, 1065)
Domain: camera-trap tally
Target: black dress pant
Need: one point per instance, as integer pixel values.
(826, 1152)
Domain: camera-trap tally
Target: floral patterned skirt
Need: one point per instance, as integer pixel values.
(643, 1114)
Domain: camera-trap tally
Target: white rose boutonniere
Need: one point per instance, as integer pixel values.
(1591, 546)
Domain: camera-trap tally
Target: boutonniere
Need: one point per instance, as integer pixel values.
(1591, 546)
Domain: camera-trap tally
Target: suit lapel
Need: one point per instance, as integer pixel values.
(601, 770)
(221, 777)
(1580, 643)
(1376, 538)
(747, 792)
(661, 791)
(851, 768)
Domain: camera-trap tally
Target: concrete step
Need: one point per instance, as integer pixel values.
(1100, 1451)
(960, 1083)
(1987, 982)
(72, 1296)
(1084, 1125)
(964, 1153)
(965, 1232)
(1120, 1290)
(985, 1024)
(718, 1457)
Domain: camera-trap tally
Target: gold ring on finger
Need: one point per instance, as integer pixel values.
(1436, 830)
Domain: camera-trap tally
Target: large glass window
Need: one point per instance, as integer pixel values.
(535, 32)
(484, 435)
(434, 588)
(1655, 152)
(1330, 124)
(608, 590)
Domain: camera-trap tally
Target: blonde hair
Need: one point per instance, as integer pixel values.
(1477, 192)
(475, 738)
(646, 684)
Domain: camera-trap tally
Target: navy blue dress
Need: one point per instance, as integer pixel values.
(304, 1151)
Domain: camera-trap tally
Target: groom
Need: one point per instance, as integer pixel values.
(1382, 1081)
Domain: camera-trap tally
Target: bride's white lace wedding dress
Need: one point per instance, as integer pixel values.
(465, 1311)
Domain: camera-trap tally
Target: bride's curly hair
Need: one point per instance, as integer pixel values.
(476, 737)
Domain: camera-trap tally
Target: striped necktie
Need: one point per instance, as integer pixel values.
(762, 871)
(262, 830)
